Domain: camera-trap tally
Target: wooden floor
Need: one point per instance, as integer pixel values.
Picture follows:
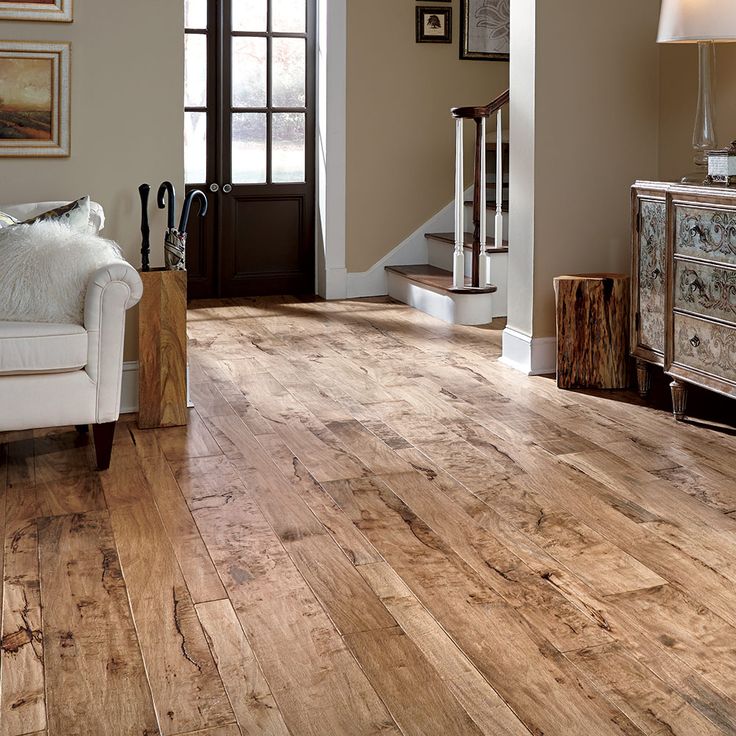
(371, 526)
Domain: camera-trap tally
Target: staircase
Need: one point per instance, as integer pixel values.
(464, 280)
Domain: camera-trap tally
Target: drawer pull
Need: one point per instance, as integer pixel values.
(695, 341)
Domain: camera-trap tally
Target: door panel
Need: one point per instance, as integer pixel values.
(254, 143)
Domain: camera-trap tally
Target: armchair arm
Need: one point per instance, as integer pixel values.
(112, 290)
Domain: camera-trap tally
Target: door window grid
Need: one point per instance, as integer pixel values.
(279, 156)
(285, 152)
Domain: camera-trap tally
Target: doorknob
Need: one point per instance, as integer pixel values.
(227, 188)
(214, 187)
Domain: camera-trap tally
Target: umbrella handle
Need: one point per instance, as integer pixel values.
(168, 188)
(144, 190)
(191, 197)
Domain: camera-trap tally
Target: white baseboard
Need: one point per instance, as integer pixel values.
(129, 392)
(407, 253)
(336, 284)
(531, 356)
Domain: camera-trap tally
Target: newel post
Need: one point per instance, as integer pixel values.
(458, 263)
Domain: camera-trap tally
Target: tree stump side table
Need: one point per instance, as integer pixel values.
(592, 331)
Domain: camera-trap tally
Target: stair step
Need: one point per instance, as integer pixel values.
(449, 239)
(491, 205)
(437, 278)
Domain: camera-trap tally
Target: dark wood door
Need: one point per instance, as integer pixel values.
(250, 144)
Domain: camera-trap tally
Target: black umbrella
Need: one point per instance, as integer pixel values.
(144, 190)
(174, 243)
(186, 209)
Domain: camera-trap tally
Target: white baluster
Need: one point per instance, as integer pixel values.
(458, 263)
(498, 240)
(485, 258)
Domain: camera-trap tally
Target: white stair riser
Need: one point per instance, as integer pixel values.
(440, 255)
(457, 309)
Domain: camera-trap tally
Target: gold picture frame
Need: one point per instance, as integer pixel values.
(34, 99)
(57, 11)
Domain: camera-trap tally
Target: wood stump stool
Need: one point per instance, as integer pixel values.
(592, 330)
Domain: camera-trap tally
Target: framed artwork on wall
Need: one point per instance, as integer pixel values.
(484, 29)
(43, 10)
(434, 25)
(34, 99)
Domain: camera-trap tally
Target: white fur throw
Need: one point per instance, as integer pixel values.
(45, 269)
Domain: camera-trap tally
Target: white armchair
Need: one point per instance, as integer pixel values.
(54, 375)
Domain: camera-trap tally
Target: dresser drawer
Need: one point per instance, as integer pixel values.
(705, 346)
(709, 234)
(705, 289)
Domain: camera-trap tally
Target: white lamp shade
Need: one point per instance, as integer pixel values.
(689, 21)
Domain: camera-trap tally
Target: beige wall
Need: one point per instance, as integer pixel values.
(592, 125)
(127, 119)
(679, 89)
(400, 135)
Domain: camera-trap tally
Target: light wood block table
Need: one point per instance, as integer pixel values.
(162, 344)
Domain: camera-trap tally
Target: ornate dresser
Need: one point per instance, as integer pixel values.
(684, 287)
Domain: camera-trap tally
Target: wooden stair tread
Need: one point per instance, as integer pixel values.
(449, 238)
(437, 278)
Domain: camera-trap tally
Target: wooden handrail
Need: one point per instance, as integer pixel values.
(481, 111)
(480, 260)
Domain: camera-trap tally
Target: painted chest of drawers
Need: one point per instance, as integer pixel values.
(684, 287)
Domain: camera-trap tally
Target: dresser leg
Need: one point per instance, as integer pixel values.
(643, 378)
(679, 399)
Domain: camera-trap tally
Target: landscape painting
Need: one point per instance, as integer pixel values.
(26, 99)
(485, 30)
(42, 10)
(34, 99)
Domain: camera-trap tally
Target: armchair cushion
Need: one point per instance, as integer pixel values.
(40, 347)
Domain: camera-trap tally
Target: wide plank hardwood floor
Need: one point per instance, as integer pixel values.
(370, 526)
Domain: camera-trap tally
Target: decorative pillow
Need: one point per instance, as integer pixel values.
(74, 215)
(6, 220)
(45, 269)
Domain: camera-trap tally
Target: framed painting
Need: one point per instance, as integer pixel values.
(45, 10)
(485, 29)
(34, 99)
(434, 25)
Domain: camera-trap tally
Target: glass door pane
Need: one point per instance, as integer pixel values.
(289, 72)
(250, 15)
(249, 151)
(288, 147)
(195, 14)
(288, 16)
(249, 71)
(195, 70)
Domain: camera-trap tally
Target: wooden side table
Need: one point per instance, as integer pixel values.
(592, 331)
(162, 346)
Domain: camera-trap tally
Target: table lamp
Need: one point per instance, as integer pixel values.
(704, 22)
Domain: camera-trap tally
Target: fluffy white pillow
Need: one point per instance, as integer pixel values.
(44, 271)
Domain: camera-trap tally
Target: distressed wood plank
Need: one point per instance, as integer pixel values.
(186, 687)
(255, 707)
(88, 633)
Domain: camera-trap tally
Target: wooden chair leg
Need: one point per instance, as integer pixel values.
(104, 435)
